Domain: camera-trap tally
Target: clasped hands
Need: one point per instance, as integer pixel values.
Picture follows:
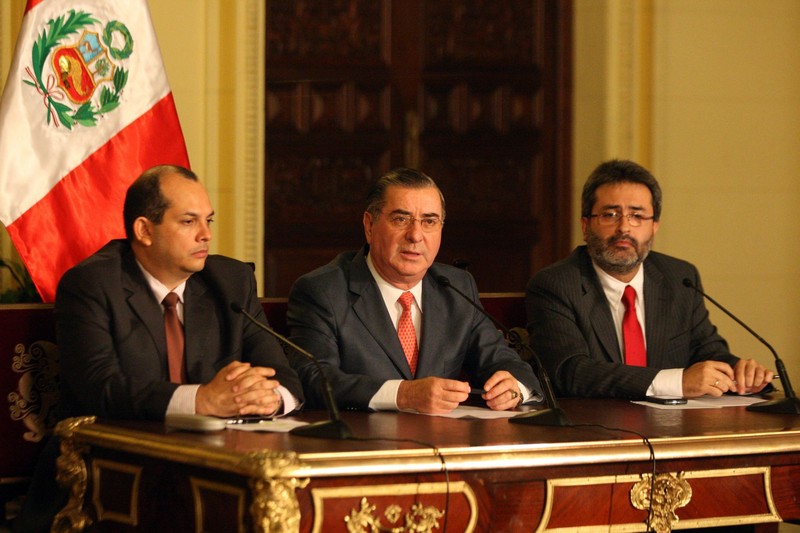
(715, 378)
(239, 389)
(434, 395)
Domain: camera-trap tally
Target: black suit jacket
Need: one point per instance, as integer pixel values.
(571, 328)
(337, 313)
(110, 333)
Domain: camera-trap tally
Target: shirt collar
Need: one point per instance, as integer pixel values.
(389, 292)
(613, 288)
(160, 290)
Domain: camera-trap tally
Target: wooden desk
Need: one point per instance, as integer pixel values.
(714, 467)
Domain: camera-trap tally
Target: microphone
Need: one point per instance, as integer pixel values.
(334, 427)
(554, 416)
(788, 405)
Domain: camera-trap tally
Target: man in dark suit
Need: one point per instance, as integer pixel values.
(110, 328)
(110, 320)
(577, 309)
(350, 316)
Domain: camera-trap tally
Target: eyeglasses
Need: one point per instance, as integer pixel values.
(612, 218)
(401, 221)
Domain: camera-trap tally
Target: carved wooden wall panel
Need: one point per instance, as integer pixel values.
(473, 92)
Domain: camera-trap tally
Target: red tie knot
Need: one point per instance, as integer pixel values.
(405, 300)
(170, 300)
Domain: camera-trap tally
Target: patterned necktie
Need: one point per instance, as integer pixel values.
(405, 330)
(635, 354)
(175, 342)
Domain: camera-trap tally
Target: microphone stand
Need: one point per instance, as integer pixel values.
(554, 415)
(334, 427)
(789, 405)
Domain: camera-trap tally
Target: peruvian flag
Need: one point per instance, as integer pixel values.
(86, 108)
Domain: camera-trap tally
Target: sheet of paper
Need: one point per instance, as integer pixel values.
(278, 425)
(708, 402)
(465, 411)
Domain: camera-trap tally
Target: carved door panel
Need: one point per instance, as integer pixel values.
(474, 93)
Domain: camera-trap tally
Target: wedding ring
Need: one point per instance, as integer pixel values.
(716, 383)
(514, 395)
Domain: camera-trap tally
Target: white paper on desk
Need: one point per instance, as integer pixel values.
(463, 411)
(708, 402)
(277, 425)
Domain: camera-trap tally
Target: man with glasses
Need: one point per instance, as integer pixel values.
(615, 319)
(389, 335)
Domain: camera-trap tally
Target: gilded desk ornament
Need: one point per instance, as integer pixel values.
(72, 474)
(275, 508)
(669, 493)
(420, 519)
(36, 397)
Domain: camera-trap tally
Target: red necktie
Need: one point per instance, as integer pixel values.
(405, 330)
(175, 343)
(635, 354)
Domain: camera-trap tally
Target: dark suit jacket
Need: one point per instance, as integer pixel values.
(571, 328)
(111, 339)
(337, 313)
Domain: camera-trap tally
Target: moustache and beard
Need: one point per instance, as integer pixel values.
(616, 260)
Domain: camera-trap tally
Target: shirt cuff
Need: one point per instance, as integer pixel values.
(183, 401)
(386, 397)
(668, 382)
(527, 394)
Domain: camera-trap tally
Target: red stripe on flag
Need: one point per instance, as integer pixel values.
(31, 4)
(88, 201)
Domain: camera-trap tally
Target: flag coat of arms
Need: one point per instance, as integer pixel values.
(85, 109)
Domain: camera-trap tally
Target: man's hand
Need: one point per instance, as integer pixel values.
(239, 389)
(708, 377)
(502, 391)
(750, 377)
(431, 395)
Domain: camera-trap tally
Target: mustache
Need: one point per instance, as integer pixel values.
(620, 238)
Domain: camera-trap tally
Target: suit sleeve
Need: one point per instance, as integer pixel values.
(704, 343)
(314, 318)
(488, 351)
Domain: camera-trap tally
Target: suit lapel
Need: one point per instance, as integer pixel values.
(599, 312)
(198, 318)
(432, 339)
(368, 306)
(656, 304)
(144, 305)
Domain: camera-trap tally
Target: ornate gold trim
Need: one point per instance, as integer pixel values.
(72, 475)
(771, 516)
(198, 485)
(132, 518)
(669, 493)
(364, 515)
(275, 508)
(36, 397)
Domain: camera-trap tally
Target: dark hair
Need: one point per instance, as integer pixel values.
(619, 171)
(399, 177)
(144, 197)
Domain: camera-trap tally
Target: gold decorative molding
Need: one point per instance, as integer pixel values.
(36, 397)
(135, 472)
(275, 508)
(72, 474)
(673, 489)
(669, 492)
(419, 517)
